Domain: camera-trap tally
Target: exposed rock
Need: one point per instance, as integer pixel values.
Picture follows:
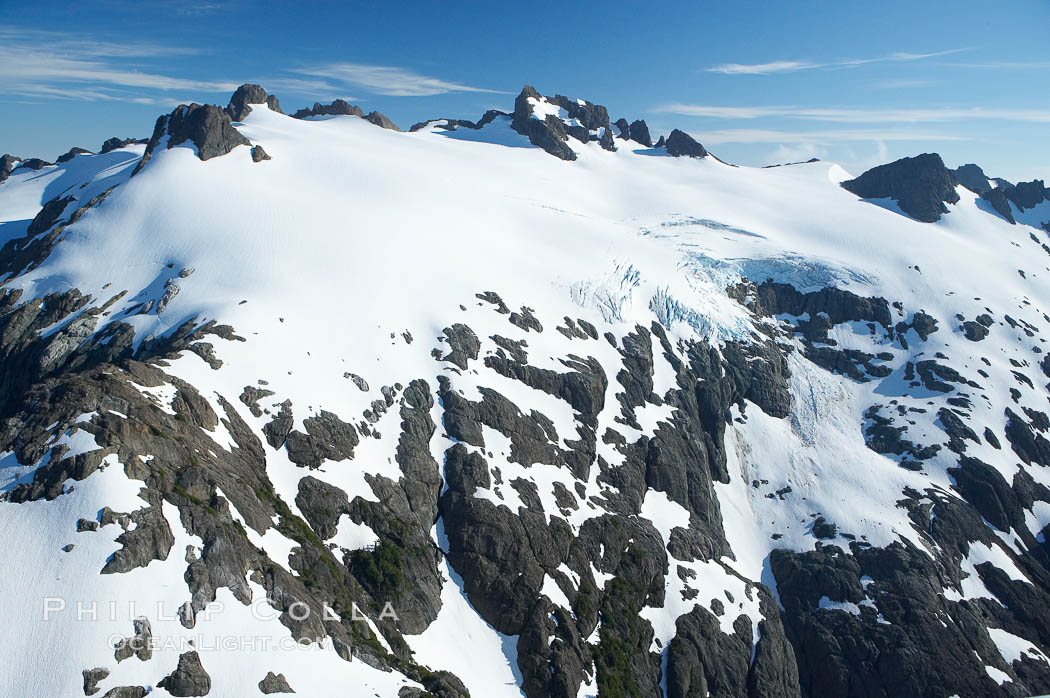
(997, 198)
(920, 185)
(339, 107)
(973, 178)
(139, 645)
(640, 133)
(72, 153)
(8, 163)
(258, 154)
(1026, 195)
(208, 127)
(548, 133)
(974, 331)
(151, 539)
(92, 677)
(188, 679)
(246, 95)
(35, 164)
(680, 143)
(274, 683)
(380, 120)
(126, 692)
(114, 143)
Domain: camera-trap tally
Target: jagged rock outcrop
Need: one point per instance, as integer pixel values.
(208, 127)
(339, 107)
(188, 679)
(640, 133)
(680, 143)
(380, 120)
(973, 178)
(996, 196)
(548, 133)
(247, 95)
(920, 185)
(1027, 195)
(583, 121)
(274, 683)
(115, 143)
(72, 153)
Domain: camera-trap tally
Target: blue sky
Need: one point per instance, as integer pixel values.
(757, 83)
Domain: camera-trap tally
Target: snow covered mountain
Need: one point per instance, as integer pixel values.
(528, 406)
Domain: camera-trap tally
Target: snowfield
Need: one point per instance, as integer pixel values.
(350, 252)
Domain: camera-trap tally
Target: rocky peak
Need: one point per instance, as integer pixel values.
(7, 165)
(680, 143)
(1027, 195)
(549, 121)
(640, 133)
(380, 119)
(114, 143)
(246, 95)
(72, 153)
(339, 107)
(920, 185)
(973, 178)
(637, 131)
(209, 128)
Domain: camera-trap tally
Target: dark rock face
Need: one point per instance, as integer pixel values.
(35, 164)
(973, 178)
(548, 134)
(920, 185)
(73, 152)
(997, 198)
(582, 120)
(126, 692)
(681, 144)
(274, 683)
(339, 107)
(1027, 195)
(258, 154)
(246, 95)
(208, 127)
(640, 133)
(381, 120)
(623, 127)
(92, 677)
(188, 679)
(7, 165)
(115, 143)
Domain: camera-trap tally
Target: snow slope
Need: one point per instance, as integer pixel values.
(351, 236)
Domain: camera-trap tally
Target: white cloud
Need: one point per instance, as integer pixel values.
(797, 65)
(859, 115)
(823, 137)
(56, 65)
(389, 80)
(1004, 65)
(762, 68)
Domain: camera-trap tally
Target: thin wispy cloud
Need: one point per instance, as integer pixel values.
(823, 136)
(40, 64)
(55, 65)
(763, 68)
(860, 115)
(902, 84)
(795, 66)
(387, 80)
(1003, 65)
